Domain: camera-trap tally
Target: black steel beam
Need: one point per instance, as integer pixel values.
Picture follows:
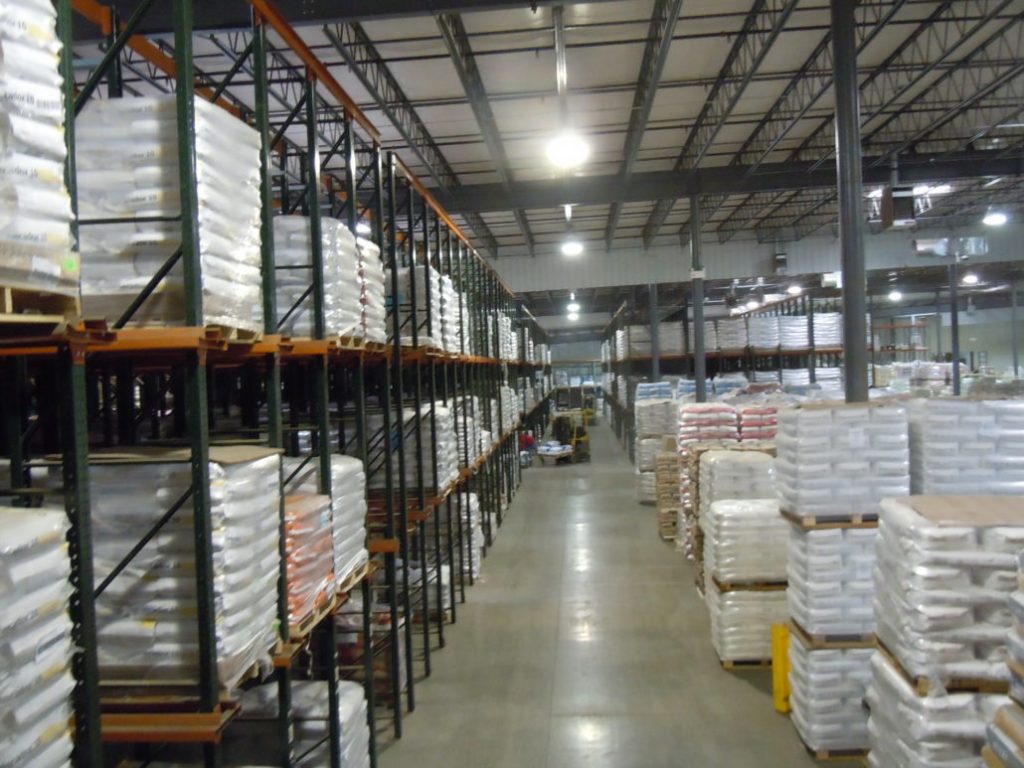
(665, 185)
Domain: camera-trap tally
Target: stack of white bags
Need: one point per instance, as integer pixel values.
(127, 158)
(741, 622)
(343, 308)
(426, 320)
(763, 332)
(450, 327)
(745, 541)
(146, 618)
(35, 639)
(828, 329)
(736, 475)
(670, 338)
(758, 421)
(373, 319)
(621, 344)
(967, 446)
(793, 332)
(35, 236)
(732, 334)
(710, 336)
(654, 417)
(703, 422)
(1006, 731)
(467, 429)
(639, 339)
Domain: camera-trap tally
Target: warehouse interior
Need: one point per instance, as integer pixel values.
(511, 382)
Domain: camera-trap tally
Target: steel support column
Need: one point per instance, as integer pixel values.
(655, 320)
(954, 324)
(1014, 330)
(697, 293)
(851, 216)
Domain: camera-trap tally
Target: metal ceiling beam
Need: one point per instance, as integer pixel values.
(663, 185)
(761, 27)
(808, 85)
(359, 52)
(659, 39)
(453, 32)
(561, 63)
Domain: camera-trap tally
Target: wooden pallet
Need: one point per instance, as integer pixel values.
(759, 586)
(922, 685)
(745, 663)
(826, 522)
(32, 312)
(351, 581)
(835, 755)
(230, 333)
(304, 627)
(817, 641)
(353, 343)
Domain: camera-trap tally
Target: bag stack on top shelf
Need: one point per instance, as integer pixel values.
(763, 333)
(670, 338)
(450, 327)
(253, 735)
(828, 329)
(1005, 734)
(146, 618)
(744, 551)
(947, 566)
(710, 337)
(373, 319)
(732, 334)
(638, 339)
(428, 334)
(467, 429)
(343, 309)
(35, 237)
(348, 507)
(698, 423)
(793, 332)
(127, 161)
(621, 348)
(35, 638)
(835, 464)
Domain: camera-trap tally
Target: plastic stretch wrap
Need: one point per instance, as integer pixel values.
(427, 318)
(654, 417)
(935, 731)
(793, 332)
(35, 639)
(348, 506)
(127, 159)
(645, 450)
(343, 309)
(710, 337)
(840, 459)
(35, 233)
(831, 590)
(828, 329)
(967, 447)
(252, 737)
(451, 329)
(469, 436)
(735, 475)
(726, 383)
(310, 549)
(471, 559)
(758, 421)
(146, 618)
(646, 487)
(745, 541)
(373, 315)
(741, 622)
(701, 422)
(941, 593)
(621, 344)
(638, 339)
(653, 390)
(827, 689)
(670, 338)
(732, 334)
(763, 332)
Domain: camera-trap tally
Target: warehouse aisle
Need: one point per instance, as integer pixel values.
(586, 645)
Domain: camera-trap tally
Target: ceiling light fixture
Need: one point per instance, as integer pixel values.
(572, 246)
(970, 278)
(568, 151)
(753, 304)
(573, 317)
(992, 182)
(895, 295)
(573, 308)
(794, 290)
(362, 228)
(995, 219)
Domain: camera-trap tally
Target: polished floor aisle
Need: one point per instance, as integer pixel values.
(587, 645)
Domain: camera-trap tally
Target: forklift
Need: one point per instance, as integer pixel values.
(570, 428)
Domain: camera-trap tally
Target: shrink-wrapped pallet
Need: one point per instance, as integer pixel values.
(373, 316)
(35, 639)
(828, 329)
(710, 337)
(646, 489)
(793, 332)
(653, 390)
(758, 421)
(967, 447)
(348, 506)
(146, 618)
(646, 450)
(35, 233)
(293, 250)
(670, 338)
(450, 328)
(741, 622)
(732, 334)
(837, 460)
(830, 572)
(763, 332)
(737, 474)
(654, 417)
(252, 736)
(827, 689)
(127, 168)
(936, 731)
(703, 422)
(309, 546)
(946, 568)
(745, 541)
(638, 340)
(725, 383)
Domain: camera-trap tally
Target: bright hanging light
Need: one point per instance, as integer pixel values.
(567, 151)
(572, 247)
(970, 279)
(794, 290)
(573, 308)
(895, 295)
(753, 304)
(362, 228)
(573, 317)
(995, 219)
(941, 189)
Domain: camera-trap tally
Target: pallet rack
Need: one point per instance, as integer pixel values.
(197, 386)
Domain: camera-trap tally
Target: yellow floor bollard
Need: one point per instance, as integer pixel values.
(780, 668)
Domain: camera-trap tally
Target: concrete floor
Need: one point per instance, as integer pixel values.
(586, 644)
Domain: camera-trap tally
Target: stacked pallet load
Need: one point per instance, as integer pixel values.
(763, 333)
(472, 536)
(373, 317)
(309, 547)
(698, 423)
(671, 341)
(732, 334)
(146, 617)
(654, 417)
(638, 340)
(419, 325)
(35, 237)
(127, 160)
(348, 507)
(758, 421)
(293, 250)
(666, 479)
(710, 337)
(252, 737)
(467, 429)
(947, 566)
(35, 638)
(794, 333)
(450, 327)
(835, 464)
(1005, 734)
